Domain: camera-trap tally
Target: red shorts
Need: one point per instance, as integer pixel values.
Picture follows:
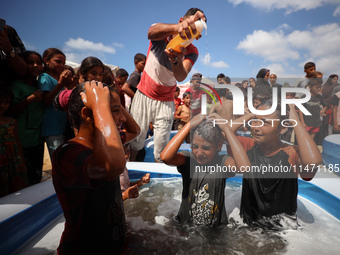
(313, 129)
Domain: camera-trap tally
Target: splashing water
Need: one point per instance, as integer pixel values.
(151, 230)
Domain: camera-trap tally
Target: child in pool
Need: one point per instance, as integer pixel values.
(130, 189)
(86, 172)
(203, 192)
(268, 195)
(13, 174)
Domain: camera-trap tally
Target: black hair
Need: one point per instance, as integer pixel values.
(192, 11)
(186, 93)
(262, 93)
(28, 53)
(107, 76)
(122, 72)
(139, 57)
(178, 89)
(208, 132)
(87, 64)
(70, 68)
(222, 92)
(314, 82)
(269, 103)
(226, 79)
(49, 53)
(221, 75)
(76, 104)
(309, 65)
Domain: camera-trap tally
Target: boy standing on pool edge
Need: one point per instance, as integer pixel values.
(154, 99)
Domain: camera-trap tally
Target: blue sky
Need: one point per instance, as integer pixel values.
(243, 35)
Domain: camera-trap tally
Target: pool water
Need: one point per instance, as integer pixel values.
(151, 230)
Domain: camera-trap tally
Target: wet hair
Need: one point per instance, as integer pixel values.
(139, 57)
(76, 104)
(269, 103)
(186, 93)
(262, 93)
(87, 64)
(122, 72)
(208, 132)
(222, 92)
(192, 11)
(309, 65)
(50, 53)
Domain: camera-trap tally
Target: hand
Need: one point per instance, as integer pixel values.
(37, 96)
(65, 77)
(196, 120)
(175, 56)
(183, 27)
(133, 191)
(95, 94)
(336, 128)
(221, 125)
(145, 180)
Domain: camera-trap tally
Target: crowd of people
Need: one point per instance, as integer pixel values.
(93, 120)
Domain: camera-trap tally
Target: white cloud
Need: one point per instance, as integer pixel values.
(337, 11)
(319, 44)
(288, 5)
(85, 45)
(271, 45)
(206, 60)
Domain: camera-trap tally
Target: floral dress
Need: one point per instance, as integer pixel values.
(13, 174)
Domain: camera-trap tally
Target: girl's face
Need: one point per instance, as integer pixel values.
(202, 150)
(245, 84)
(335, 79)
(95, 73)
(56, 63)
(34, 65)
(5, 102)
(264, 129)
(266, 76)
(252, 83)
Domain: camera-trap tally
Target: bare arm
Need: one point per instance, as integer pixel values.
(130, 125)
(63, 80)
(308, 150)
(108, 154)
(19, 107)
(240, 157)
(170, 155)
(127, 90)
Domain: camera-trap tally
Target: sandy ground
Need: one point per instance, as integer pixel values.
(47, 167)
